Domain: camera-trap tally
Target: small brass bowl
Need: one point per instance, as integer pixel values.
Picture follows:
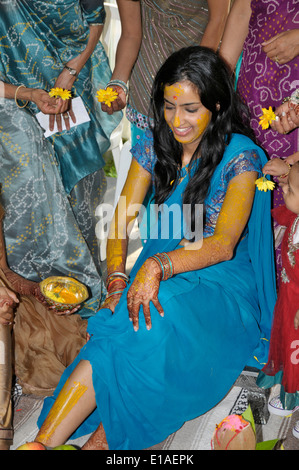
(63, 293)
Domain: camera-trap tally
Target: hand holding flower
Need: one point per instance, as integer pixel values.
(267, 117)
(118, 101)
(287, 118)
(276, 167)
(64, 84)
(44, 102)
(263, 184)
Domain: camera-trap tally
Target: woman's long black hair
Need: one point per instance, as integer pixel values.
(211, 77)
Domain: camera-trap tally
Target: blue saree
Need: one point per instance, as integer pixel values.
(217, 321)
(50, 187)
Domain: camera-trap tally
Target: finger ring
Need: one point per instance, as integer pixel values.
(276, 59)
(66, 116)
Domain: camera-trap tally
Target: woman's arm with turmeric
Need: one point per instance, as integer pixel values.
(231, 222)
(130, 201)
(219, 247)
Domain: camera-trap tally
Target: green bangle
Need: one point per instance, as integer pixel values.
(114, 293)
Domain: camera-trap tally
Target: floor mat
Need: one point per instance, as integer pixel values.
(193, 435)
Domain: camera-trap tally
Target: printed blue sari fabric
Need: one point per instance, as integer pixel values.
(50, 187)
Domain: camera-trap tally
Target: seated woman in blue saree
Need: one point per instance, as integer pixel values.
(52, 186)
(169, 345)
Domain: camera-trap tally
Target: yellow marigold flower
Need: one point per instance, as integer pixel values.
(107, 96)
(267, 117)
(60, 93)
(263, 184)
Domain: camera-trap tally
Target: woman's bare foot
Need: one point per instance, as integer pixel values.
(97, 440)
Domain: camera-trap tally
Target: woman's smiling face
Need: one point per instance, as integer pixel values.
(184, 113)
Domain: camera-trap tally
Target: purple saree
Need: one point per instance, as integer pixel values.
(263, 83)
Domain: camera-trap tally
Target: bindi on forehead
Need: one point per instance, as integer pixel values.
(174, 90)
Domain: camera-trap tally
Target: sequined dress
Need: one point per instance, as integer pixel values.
(283, 362)
(168, 25)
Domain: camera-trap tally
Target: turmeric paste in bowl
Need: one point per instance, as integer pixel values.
(63, 293)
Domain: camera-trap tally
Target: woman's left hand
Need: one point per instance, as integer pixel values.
(145, 289)
(283, 47)
(64, 107)
(275, 167)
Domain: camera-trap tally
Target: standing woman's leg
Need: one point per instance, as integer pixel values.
(74, 403)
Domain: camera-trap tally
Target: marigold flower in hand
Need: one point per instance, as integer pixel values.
(267, 117)
(263, 184)
(60, 93)
(107, 96)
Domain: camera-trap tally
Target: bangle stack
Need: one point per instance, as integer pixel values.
(289, 169)
(165, 264)
(113, 277)
(119, 83)
(16, 99)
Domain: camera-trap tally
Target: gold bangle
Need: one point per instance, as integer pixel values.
(289, 169)
(16, 100)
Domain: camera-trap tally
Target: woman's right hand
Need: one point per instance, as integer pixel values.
(287, 118)
(112, 300)
(45, 103)
(55, 107)
(8, 301)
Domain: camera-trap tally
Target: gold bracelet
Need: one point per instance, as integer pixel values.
(16, 100)
(289, 169)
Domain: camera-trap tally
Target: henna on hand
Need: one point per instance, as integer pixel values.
(21, 285)
(145, 289)
(25, 287)
(114, 294)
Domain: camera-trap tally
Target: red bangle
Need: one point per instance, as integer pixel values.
(116, 280)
